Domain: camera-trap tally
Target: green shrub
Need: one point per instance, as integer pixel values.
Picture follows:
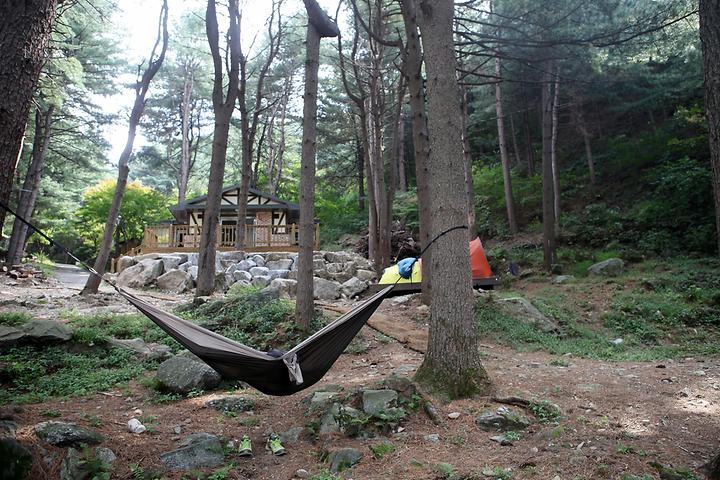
(381, 449)
(14, 319)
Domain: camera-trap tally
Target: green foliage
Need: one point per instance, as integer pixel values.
(140, 206)
(512, 436)
(253, 319)
(446, 471)
(545, 411)
(14, 319)
(31, 374)
(98, 328)
(381, 449)
(338, 215)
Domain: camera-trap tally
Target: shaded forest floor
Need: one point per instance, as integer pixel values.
(618, 414)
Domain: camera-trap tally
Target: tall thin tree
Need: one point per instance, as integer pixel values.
(223, 99)
(504, 157)
(319, 26)
(141, 88)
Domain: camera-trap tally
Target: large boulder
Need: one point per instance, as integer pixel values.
(199, 450)
(223, 281)
(10, 336)
(172, 262)
(175, 281)
(124, 262)
(286, 287)
(232, 403)
(148, 350)
(343, 459)
(608, 268)
(46, 331)
(504, 419)
(237, 288)
(376, 401)
(353, 287)
(62, 434)
(192, 259)
(259, 260)
(242, 275)
(259, 271)
(325, 289)
(193, 272)
(273, 274)
(141, 275)
(338, 257)
(365, 275)
(16, 460)
(232, 257)
(528, 313)
(280, 264)
(261, 281)
(245, 265)
(183, 373)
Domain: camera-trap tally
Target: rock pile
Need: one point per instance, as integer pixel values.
(336, 274)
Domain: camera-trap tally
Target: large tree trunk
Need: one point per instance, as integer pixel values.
(413, 72)
(513, 134)
(185, 110)
(31, 185)
(402, 183)
(547, 171)
(319, 25)
(223, 106)
(25, 28)
(504, 159)
(583, 128)
(452, 364)
(360, 167)
(529, 154)
(553, 151)
(141, 88)
(710, 38)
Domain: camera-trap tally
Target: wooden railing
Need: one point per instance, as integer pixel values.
(158, 238)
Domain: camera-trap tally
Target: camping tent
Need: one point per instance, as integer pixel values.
(481, 273)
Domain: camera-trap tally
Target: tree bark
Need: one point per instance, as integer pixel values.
(412, 65)
(31, 185)
(223, 106)
(451, 364)
(402, 183)
(583, 128)
(553, 151)
(504, 160)
(710, 38)
(529, 154)
(24, 34)
(547, 171)
(141, 88)
(513, 133)
(318, 26)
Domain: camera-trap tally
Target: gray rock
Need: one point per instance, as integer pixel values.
(147, 256)
(343, 459)
(172, 262)
(503, 420)
(302, 473)
(609, 268)
(376, 401)
(16, 460)
(232, 403)
(318, 264)
(222, 282)
(8, 428)
(184, 267)
(365, 275)
(242, 276)
(325, 289)
(192, 259)
(260, 280)
(501, 440)
(233, 257)
(560, 279)
(46, 331)
(259, 260)
(246, 265)
(175, 281)
(9, 337)
(62, 434)
(259, 271)
(193, 272)
(71, 467)
(401, 384)
(154, 351)
(338, 257)
(432, 438)
(105, 455)
(286, 287)
(198, 450)
(124, 262)
(140, 275)
(321, 401)
(292, 435)
(273, 274)
(275, 256)
(292, 275)
(353, 287)
(182, 374)
(403, 299)
(527, 313)
(280, 264)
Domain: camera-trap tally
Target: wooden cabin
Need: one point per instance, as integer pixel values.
(270, 224)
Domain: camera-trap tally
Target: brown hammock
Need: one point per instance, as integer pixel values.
(297, 369)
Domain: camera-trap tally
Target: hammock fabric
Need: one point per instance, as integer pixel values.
(295, 370)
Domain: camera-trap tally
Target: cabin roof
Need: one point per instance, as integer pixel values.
(193, 203)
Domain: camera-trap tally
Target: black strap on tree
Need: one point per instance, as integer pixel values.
(58, 245)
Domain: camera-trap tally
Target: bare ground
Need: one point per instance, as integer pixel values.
(617, 417)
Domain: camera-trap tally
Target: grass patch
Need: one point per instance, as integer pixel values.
(381, 449)
(31, 374)
(99, 328)
(673, 310)
(14, 319)
(254, 319)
